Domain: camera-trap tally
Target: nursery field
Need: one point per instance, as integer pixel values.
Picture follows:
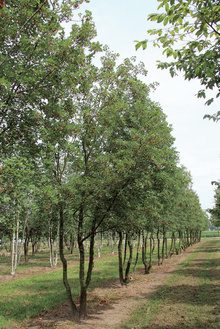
(182, 293)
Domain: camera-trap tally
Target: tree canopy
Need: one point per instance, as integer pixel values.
(190, 34)
(215, 211)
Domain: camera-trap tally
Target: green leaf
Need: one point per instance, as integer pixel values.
(160, 18)
(165, 21)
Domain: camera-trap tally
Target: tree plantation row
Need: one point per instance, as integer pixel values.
(85, 151)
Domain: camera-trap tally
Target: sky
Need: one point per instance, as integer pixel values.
(118, 24)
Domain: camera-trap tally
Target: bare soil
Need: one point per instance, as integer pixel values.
(111, 304)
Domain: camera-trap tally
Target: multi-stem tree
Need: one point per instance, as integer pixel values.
(120, 135)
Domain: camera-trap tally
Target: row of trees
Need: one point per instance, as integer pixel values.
(215, 211)
(189, 34)
(84, 149)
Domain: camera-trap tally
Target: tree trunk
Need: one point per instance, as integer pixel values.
(91, 257)
(15, 237)
(151, 250)
(187, 238)
(158, 246)
(172, 245)
(26, 243)
(125, 249)
(138, 248)
(120, 261)
(83, 291)
(127, 271)
(13, 252)
(124, 279)
(64, 262)
(164, 248)
(144, 253)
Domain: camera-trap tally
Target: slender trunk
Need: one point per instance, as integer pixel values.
(124, 279)
(120, 261)
(99, 243)
(57, 245)
(144, 253)
(125, 250)
(172, 245)
(26, 243)
(163, 245)
(166, 249)
(51, 245)
(127, 271)
(158, 246)
(180, 242)
(138, 248)
(16, 244)
(83, 291)
(15, 257)
(13, 252)
(187, 238)
(91, 258)
(151, 250)
(64, 262)
(112, 242)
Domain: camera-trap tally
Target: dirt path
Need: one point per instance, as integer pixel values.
(111, 304)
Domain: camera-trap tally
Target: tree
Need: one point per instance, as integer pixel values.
(215, 211)
(37, 62)
(191, 35)
(16, 185)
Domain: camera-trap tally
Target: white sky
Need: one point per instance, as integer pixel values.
(118, 24)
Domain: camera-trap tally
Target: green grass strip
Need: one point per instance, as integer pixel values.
(190, 298)
(23, 298)
(27, 297)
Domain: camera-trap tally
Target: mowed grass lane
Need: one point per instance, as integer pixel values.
(23, 298)
(191, 297)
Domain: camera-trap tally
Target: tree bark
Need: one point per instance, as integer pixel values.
(138, 248)
(144, 253)
(124, 279)
(127, 271)
(26, 243)
(120, 261)
(64, 262)
(91, 258)
(83, 290)
(158, 246)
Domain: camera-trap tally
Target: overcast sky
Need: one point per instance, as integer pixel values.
(118, 24)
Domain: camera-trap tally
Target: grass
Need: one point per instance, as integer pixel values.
(190, 298)
(211, 234)
(23, 298)
(27, 297)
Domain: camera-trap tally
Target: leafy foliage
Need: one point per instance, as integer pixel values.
(215, 211)
(191, 36)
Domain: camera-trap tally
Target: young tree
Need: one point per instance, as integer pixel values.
(119, 136)
(191, 35)
(215, 211)
(16, 184)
